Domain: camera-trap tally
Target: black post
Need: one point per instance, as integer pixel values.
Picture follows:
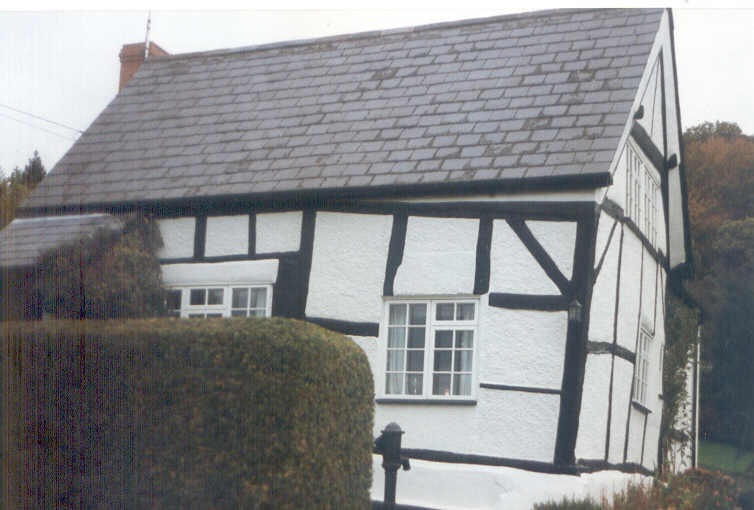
(389, 445)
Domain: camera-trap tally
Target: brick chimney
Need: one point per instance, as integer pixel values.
(131, 58)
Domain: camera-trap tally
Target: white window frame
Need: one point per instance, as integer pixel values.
(642, 368)
(643, 196)
(431, 326)
(224, 309)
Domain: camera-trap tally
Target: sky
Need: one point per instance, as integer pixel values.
(63, 67)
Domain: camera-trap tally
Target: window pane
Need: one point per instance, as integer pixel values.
(396, 337)
(416, 338)
(259, 312)
(238, 313)
(214, 315)
(442, 361)
(415, 361)
(414, 384)
(462, 385)
(196, 315)
(444, 339)
(463, 361)
(465, 312)
(445, 311)
(464, 339)
(395, 360)
(197, 296)
(174, 299)
(259, 298)
(215, 296)
(418, 314)
(394, 384)
(240, 298)
(398, 314)
(441, 384)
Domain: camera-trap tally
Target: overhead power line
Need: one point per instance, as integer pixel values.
(67, 137)
(40, 118)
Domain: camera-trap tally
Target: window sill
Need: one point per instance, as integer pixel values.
(426, 401)
(640, 407)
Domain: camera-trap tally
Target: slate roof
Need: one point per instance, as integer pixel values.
(534, 96)
(24, 240)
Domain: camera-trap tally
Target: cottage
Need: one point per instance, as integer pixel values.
(494, 209)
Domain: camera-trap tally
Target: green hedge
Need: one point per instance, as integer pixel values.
(165, 413)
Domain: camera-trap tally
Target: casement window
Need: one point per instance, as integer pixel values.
(220, 301)
(642, 194)
(430, 348)
(641, 370)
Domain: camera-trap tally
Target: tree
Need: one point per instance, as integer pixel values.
(108, 275)
(17, 186)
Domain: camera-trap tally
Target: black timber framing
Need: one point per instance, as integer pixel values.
(395, 252)
(636, 347)
(483, 247)
(613, 349)
(528, 302)
(541, 256)
(615, 345)
(648, 147)
(576, 342)
(200, 236)
(523, 389)
(616, 212)
(252, 235)
(604, 252)
(291, 289)
(483, 460)
(347, 327)
(592, 465)
(187, 206)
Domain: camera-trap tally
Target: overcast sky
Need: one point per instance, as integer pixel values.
(63, 66)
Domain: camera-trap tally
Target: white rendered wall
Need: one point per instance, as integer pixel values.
(558, 238)
(439, 257)
(513, 269)
(177, 237)
(227, 235)
(602, 315)
(278, 232)
(348, 266)
(623, 373)
(471, 487)
(630, 295)
(522, 347)
(590, 442)
(243, 271)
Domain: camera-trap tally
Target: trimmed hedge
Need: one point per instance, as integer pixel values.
(166, 413)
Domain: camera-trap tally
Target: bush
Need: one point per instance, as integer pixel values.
(165, 413)
(569, 504)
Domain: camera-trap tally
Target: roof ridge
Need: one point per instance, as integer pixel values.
(374, 33)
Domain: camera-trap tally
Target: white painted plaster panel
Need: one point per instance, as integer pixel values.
(623, 374)
(518, 425)
(604, 227)
(635, 434)
(522, 348)
(436, 427)
(652, 442)
(590, 442)
(177, 237)
(370, 346)
(602, 315)
(243, 271)
(227, 235)
(278, 232)
(677, 249)
(348, 266)
(513, 268)
(473, 487)
(439, 257)
(558, 238)
(628, 310)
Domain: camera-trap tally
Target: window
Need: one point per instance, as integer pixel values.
(430, 348)
(641, 371)
(643, 194)
(218, 301)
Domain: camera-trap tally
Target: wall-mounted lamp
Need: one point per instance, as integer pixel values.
(574, 311)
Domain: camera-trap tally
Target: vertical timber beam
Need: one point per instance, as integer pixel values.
(576, 342)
